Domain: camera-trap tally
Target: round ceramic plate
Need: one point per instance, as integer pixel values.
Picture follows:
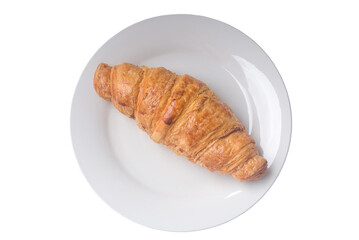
(145, 181)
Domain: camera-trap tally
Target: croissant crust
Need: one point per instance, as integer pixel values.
(183, 114)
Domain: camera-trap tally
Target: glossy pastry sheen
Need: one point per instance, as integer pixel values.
(183, 114)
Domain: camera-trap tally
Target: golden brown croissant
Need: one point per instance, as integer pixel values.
(183, 114)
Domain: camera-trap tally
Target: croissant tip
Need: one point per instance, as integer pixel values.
(101, 81)
(261, 171)
(252, 171)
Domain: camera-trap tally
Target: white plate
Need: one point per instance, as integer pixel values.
(145, 181)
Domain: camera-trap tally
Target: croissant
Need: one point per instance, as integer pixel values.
(183, 114)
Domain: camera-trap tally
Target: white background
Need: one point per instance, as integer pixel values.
(44, 46)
